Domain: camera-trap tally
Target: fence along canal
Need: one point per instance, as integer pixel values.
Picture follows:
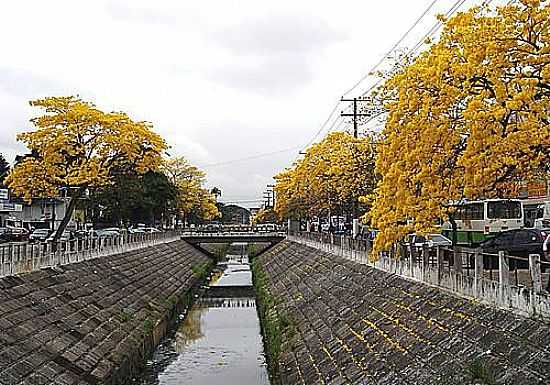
(218, 341)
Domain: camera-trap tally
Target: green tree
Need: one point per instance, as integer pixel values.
(4, 169)
(133, 198)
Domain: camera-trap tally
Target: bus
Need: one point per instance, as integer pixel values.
(536, 213)
(483, 219)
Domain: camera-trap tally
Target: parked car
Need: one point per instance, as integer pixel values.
(81, 234)
(432, 240)
(108, 232)
(520, 243)
(136, 231)
(65, 237)
(4, 235)
(151, 230)
(39, 235)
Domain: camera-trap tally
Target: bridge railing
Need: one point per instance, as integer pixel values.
(505, 281)
(230, 234)
(17, 258)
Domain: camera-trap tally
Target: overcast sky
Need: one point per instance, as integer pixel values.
(220, 80)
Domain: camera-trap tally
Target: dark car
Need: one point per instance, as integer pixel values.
(519, 243)
(5, 235)
(39, 235)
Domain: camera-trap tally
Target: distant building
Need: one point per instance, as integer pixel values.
(8, 209)
(41, 213)
(235, 215)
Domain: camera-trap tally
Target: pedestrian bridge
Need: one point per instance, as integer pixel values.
(196, 238)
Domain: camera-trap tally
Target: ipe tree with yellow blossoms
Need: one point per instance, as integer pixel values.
(76, 146)
(265, 215)
(192, 197)
(468, 119)
(331, 177)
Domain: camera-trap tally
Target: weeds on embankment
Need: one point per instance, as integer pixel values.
(201, 271)
(273, 323)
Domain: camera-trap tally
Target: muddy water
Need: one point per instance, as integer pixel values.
(218, 342)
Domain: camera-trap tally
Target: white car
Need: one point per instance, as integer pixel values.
(432, 240)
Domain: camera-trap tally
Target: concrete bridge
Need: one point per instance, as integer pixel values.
(196, 238)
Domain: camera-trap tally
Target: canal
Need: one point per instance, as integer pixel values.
(219, 340)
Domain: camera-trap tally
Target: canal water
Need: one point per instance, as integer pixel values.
(218, 341)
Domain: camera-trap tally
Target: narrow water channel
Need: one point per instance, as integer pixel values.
(218, 341)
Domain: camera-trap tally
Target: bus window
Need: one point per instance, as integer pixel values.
(475, 211)
(503, 210)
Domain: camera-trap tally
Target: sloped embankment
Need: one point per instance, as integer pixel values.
(344, 323)
(93, 322)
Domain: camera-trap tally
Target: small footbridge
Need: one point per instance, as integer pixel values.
(197, 238)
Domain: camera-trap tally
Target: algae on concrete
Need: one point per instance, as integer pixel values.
(274, 324)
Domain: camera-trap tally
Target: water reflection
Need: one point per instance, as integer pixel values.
(219, 341)
(228, 302)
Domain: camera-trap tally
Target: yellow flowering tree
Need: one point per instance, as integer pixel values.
(469, 118)
(265, 215)
(331, 177)
(192, 196)
(76, 146)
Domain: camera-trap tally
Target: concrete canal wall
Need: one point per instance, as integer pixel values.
(333, 321)
(93, 322)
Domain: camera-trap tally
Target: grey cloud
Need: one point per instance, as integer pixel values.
(118, 10)
(26, 84)
(277, 34)
(269, 76)
(275, 53)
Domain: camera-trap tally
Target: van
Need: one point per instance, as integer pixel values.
(542, 220)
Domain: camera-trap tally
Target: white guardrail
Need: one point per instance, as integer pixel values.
(23, 257)
(231, 234)
(503, 281)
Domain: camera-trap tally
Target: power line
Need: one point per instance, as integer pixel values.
(257, 156)
(335, 108)
(243, 201)
(454, 8)
(323, 125)
(391, 49)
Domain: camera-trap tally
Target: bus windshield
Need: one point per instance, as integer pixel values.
(504, 210)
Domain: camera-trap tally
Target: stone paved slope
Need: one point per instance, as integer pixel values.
(352, 324)
(85, 323)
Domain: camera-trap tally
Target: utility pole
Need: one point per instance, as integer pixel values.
(269, 195)
(354, 115)
(271, 188)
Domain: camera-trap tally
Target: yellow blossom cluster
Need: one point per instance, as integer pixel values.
(469, 118)
(192, 196)
(76, 145)
(332, 175)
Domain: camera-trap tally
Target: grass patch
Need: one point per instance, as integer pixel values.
(201, 271)
(251, 250)
(148, 326)
(274, 324)
(126, 315)
(480, 372)
(171, 301)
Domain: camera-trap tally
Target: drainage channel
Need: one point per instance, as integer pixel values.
(219, 339)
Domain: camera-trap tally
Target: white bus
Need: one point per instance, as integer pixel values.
(482, 219)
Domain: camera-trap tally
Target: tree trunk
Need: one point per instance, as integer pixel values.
(68, 214)
(453, 229)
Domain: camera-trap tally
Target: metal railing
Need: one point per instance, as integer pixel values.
(511, 282)
(22, 257)
(229, 234)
